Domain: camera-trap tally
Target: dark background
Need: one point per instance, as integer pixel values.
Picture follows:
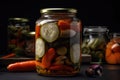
(91, 12)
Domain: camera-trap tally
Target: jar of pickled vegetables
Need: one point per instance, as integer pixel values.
(94, 43)
(30, 44)
(112, 54)
(57, 42)
(18, 29)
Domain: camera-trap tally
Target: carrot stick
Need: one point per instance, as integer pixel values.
(9, 56)
(22, 66)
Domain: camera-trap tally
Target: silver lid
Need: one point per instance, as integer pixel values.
(95, 29)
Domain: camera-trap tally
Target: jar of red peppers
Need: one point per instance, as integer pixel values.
(57, 42)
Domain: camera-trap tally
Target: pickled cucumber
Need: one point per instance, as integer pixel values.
(40, 48)
(75, 53)
(49, 31)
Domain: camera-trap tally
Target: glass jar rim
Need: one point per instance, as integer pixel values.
(96, 29)
(58, 10)
(19, 19)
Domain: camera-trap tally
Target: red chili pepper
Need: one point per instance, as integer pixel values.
(48, 57)
(22, 66)
(37, 31)
(64, 24)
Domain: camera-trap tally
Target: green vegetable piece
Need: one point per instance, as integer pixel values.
(91, 42)
(96, 43)
(40, 48)
(62, 51)
(75, 53)
(49, 31)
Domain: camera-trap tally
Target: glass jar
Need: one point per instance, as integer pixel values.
(94, 43)
(114, 35)
(113, 49)
(57, 45)
(18, 29)
(30, 44)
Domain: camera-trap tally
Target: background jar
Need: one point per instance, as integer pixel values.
(30, 44)
(18, 29)
(113, 49)
(94, 43)
(58, 38)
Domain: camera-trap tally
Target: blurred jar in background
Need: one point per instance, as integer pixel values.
(113, 49)
(18, 31)
(94, 42)
(30, 44)
(114, 36)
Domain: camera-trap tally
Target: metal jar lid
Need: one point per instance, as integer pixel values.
(58, 10)
(95, 29)
(18, 19)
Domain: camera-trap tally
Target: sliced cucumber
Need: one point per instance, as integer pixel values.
(40, 48)
(75, 53)
(50, 31)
